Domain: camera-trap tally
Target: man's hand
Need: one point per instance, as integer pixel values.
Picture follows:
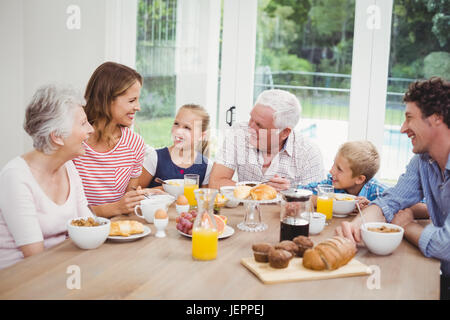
(403, 217)
(349, 230)
(279, 183)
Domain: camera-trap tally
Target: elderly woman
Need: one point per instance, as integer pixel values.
(41, 190)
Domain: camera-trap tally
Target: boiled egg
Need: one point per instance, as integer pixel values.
(182, 200)
(160, 214)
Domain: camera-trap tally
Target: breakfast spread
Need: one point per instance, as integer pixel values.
(384, 229)
(260, 192)
(125, 228)
(89, 222)
(330, 254)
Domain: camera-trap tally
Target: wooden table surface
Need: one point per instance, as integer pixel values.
(162, 268)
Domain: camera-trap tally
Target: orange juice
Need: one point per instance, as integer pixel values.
(189, 193)
(325, 206)
(204, 244)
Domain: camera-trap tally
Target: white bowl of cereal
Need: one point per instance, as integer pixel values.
(88, 232)
(381, 238)
(343, 204)
(174, 187)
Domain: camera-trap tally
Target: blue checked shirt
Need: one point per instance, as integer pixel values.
(371, 190)
(424, 178)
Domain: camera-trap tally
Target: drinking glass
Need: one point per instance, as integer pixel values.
(191, 183)
(325, 195)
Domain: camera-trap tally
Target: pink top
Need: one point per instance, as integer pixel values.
(106, 175)
(28, 215)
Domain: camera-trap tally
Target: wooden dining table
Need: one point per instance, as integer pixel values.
(163, 268)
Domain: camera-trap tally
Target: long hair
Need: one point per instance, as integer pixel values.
(204, 116)
(109, 81)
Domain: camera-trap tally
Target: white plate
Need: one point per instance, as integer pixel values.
(133, 237)
(227, 232)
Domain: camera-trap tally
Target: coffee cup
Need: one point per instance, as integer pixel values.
(148, 208)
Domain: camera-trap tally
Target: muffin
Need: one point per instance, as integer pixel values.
(288, 245)
(279, 258)
(303, 244)
(261, 251)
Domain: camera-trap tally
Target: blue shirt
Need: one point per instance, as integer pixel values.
(424, 178)
(371, 189)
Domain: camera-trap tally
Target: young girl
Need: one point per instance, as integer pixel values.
(187, 154)
(114, 153)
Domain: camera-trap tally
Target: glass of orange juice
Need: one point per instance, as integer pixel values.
(204, 232)
(191, 183)
(325, 195)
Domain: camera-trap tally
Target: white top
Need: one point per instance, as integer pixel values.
(300, 160)
(151, 162)
(28, 215)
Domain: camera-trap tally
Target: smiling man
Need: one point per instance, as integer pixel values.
(267, 148)
(427, 124)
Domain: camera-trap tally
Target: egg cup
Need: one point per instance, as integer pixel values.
(182, 208)
(161, 225)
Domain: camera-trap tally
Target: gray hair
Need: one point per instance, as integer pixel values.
(286, 106)
(51, 110)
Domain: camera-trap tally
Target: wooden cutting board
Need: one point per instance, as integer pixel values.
(296, 272)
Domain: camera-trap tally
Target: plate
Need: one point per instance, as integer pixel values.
(227, 232)
(133, 237)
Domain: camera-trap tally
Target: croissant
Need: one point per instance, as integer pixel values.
(242, 192)
(263, 192)
(330, 254)
(125, 228)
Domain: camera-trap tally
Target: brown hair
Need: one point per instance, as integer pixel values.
(204, 116)
(431, 96)
(108, 81)
(363, 157)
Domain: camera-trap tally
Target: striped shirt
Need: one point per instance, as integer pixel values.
(300, 160)
(424, 178)
(106, 175)
(371, 189)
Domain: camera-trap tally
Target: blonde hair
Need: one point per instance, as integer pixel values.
(109, 81)
(362, 156)
(204, 116)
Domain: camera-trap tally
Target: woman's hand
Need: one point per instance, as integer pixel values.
(130, 200)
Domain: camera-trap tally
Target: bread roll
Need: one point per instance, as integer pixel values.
(263, 192)
(242, 192)
(125, 228)
(330, 254)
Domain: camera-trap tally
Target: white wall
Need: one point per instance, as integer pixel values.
(38, 48)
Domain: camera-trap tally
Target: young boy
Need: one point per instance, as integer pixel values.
(353, 171)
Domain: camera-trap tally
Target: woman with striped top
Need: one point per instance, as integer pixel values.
(114, 153)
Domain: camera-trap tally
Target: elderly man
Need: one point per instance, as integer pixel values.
(427, 175)
(268, 148)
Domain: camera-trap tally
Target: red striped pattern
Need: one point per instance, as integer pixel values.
(106, 175)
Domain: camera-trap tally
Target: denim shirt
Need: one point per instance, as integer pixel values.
(424, 178)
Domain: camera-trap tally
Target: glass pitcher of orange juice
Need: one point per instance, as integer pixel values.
(325, 195)
(204, 232)
(191, 183)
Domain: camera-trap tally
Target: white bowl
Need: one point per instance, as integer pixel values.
(317, 223)
(182, 208)
(381, 243)
(172, 189)
(343, 207)
(89, 237)
(227, 191)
